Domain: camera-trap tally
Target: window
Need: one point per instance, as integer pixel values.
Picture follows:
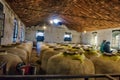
(1, 7)
(94, 38)
(116, 39)
(67, 36)
(40, 35)
(22, 35)
(2, 17)
(15, 33)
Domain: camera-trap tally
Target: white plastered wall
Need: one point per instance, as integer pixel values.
(8, 24)
(104, 34)
(52, 34)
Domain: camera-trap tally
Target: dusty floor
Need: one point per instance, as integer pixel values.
(35, 62)
(34, 56)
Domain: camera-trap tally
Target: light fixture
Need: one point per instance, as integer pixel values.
(44, 27)
(51, 21)
(56, 21)
(84, 31)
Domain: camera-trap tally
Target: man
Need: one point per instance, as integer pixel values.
(39, 39)
(106, 47)
(102, 45)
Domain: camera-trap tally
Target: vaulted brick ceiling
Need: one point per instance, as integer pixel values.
(79, 15)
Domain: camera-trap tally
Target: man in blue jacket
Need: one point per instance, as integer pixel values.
(102, 45)
(106, 47)
(39, 39)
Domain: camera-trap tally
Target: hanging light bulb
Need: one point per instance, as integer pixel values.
(44, 27)
(56, 21)
(84, 31)
(51, 21)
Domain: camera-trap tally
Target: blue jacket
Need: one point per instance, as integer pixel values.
(101, 47)
(106, 47)
(40, 38)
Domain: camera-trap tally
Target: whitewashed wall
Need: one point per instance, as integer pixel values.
(52, 34)
(9, 22)
(105, 34)
(86, 38)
